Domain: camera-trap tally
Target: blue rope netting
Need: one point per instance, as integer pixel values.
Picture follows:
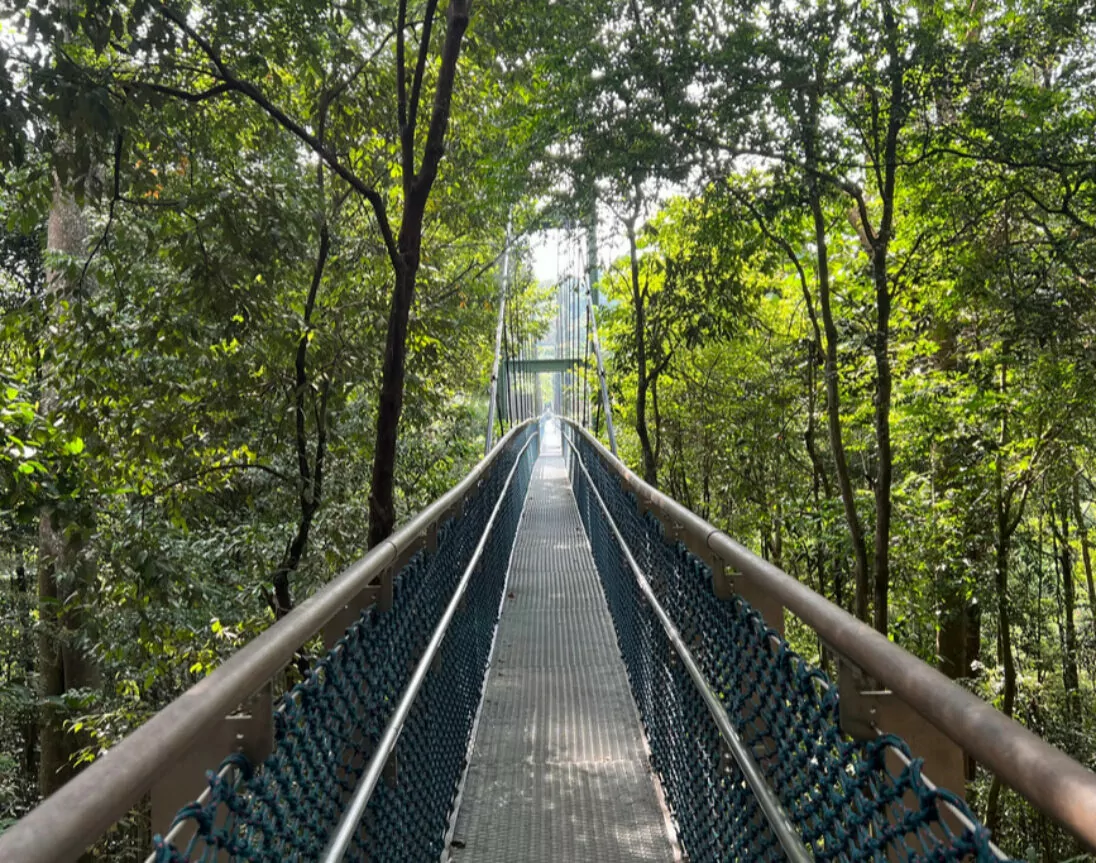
(847, 799)
(329, 725)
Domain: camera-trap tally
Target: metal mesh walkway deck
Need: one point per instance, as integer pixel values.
(559, 769)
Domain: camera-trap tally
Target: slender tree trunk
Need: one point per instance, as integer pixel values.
(1004, 657)
(417, 186)
(833, 409)
(65, 566)
(819, 479)
(884, 457)
(650, 465)
(310, 470)
(955, 613)
(896, 119)
(706, 491)
(382, 506)
(820, 483)
(777, 520)
(1007, 522)
(1070, 677)
(1086, 552)
(27, 649)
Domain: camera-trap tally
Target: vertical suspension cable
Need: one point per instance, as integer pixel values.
(578, 327)
(533, 356)
(565, 301)
(570, 330)
(493, 391)
(519, 326)
(529, 373)
(584, 287)
(523, 408)
(565, 384)
(509, 372)
(585, 363)
(512, 381)
(575, 400)
(557, 380)
(559, 337)
(532, 353)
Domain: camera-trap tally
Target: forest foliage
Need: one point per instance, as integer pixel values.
(248, 275)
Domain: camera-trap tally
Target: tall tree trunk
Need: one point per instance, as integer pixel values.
(833, 408)
(1086, 551)
(310, 471)
(1007, 521)
(1004, 655)
(896, 119)
(65, 566)
(29, 724)
(417, 186)
(1070, 678)
(382, 506)
(650, 465)
(884, 457)
(957, 615)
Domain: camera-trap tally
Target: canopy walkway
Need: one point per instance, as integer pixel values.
(556, 662)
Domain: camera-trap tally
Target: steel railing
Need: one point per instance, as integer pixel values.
(1052, 781)
(348, 825)
(769, 804)
(64, 825)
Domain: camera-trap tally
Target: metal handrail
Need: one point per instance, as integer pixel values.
(771, 808)
(355, 810)
(1045, 776)
(65, 824)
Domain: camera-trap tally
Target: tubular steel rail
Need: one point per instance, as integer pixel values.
(349, 824)
(192, 733)
(883, 690)
(769, 803)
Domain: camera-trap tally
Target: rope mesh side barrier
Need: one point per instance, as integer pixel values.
(848, 800)
(327, 727)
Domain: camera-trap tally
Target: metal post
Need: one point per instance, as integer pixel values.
(498, 343)
(591, 243)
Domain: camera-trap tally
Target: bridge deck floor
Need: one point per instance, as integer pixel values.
(559, 768)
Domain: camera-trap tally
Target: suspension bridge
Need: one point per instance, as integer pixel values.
(555, 661)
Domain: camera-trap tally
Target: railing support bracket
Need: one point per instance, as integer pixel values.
(867, 711)
(726, 584)
(336, 627)
(250, 731)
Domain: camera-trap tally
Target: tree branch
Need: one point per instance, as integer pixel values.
(114, 198)
(243, 465)
(420, 69)
(186, 95)
(408, 155)
(251, 92)
(458, 14)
